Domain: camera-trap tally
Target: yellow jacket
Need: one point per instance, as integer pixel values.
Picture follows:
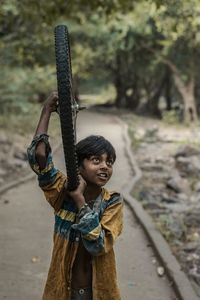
(98, 228)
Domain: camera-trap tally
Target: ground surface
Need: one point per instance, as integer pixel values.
(169, 189)
(26, 233)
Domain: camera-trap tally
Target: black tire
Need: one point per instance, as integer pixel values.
(64, 83)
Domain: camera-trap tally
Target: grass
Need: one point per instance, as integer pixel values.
(104, 95)
(25, 123)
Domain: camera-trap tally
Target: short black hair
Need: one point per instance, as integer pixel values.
(94, 145)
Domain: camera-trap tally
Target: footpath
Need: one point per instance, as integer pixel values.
(26, 230)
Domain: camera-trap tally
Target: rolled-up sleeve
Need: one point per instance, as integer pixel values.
(98, 236)
(48, 174)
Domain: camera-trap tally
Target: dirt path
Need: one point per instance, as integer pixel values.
(27, 224)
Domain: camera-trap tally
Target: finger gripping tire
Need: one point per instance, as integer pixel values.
(64, 82)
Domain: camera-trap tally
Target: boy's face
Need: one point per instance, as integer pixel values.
(97, 170)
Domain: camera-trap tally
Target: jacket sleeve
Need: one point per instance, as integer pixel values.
(55, 191)
(98, 236)
(50, 179)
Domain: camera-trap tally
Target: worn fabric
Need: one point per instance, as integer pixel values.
(97, 228)
(81, 294)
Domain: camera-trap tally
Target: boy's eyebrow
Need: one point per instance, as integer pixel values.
(109, 157)
(94, 156)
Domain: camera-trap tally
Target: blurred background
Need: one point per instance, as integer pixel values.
(139, 55)
(137, 59)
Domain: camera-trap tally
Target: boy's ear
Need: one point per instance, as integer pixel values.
(81, 166)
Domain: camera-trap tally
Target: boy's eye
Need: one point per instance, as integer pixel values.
(95, 160)
(109, 163)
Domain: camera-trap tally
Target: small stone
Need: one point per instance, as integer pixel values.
(6, 201)
(195, 198)
(192, 218)
(160, 271)
(131, 284)
(168, 199)
(152, 206)
(196, 236)
(20, 155)
(194, 273)
(182, 197)
(178, 184)
(187, 151)
(35, 259)
(154, 261)
(190, 247)
(152, 167)
(189, 165)
(195, 256)
(197, 187)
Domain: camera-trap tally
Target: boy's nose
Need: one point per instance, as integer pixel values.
(104, 165)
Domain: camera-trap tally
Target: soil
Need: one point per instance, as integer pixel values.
(169, 157)
(13, 157)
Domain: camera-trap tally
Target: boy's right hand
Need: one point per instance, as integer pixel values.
(51, 104)
(77, 195)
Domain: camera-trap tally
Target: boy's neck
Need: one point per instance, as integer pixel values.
(91, 193)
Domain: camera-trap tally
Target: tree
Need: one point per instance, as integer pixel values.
(178, 24)
(139, 46)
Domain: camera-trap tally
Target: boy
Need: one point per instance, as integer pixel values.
(87, 220)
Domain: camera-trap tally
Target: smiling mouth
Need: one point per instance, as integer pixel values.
(103, 175)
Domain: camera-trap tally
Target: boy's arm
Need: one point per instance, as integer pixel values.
(41, 151)
(40, 159)
(98, 236)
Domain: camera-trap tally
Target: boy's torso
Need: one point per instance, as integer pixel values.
(82, 268)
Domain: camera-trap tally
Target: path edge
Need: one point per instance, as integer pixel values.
(28, 177)
(180, 282)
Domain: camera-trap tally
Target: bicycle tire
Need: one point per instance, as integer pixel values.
(64, 84)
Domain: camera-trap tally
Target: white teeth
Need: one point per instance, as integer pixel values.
(103, 175)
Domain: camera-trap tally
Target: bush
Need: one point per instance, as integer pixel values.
(171, 117)
(21, 86)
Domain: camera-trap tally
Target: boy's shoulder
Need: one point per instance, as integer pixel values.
(111, 196)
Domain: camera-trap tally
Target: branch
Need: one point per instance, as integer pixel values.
(163, 59)
(179, 82)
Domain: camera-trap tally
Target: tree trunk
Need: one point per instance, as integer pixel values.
(187, 93)
(133, 94)
(168, 89)
(132, 101)
(152, 105)
(153, 102)
(120, 100)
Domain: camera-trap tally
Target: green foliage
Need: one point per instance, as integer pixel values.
(171, 117)
(20, 86)
(25, 123)
(125, 42)
(172, 228)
